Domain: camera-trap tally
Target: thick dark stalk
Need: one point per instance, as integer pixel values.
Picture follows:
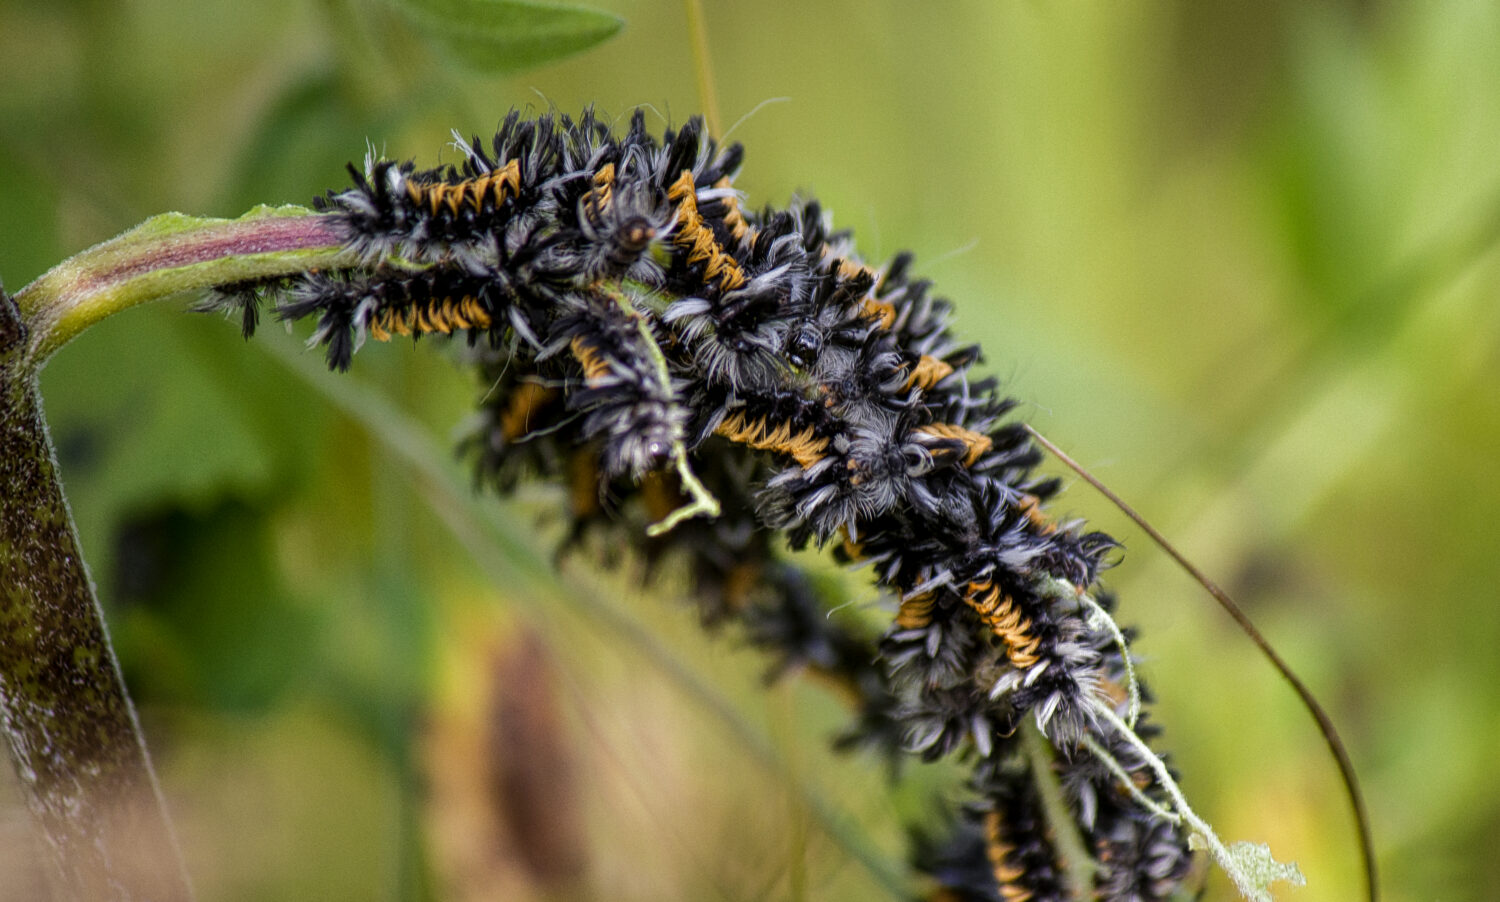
(72, 731)
(74, 739)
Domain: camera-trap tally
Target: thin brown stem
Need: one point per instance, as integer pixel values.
(1325, 723)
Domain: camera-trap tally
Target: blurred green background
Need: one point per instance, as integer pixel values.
(1240, 259)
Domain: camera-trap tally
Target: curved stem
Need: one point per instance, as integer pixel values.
(1330, 733)
(74, 738)
(165, 255)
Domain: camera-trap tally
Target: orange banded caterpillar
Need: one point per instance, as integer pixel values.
(445, 316)
(927, 372)
(952, 438)
(697, 238)
(805, 447)
(620, 229)
(1020, 855)
(472, 195)
(915, 612)
(1000, 613)
(527, 402)
(603, 191)
(391, 301)
(394, 211)
(633, 326)
(733, 219)
(625, 397)
(595, 367)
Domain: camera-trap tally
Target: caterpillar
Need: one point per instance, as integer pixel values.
(644, 339)
(1020, 855)
(1005, 619)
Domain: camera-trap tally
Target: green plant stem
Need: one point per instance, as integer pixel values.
(701, 502)
(74, 739)
(702, 68)
(166, 255)
(1078, 865)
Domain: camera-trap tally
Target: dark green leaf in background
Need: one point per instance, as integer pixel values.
(205, 619)
(509, 35)
(26, 251)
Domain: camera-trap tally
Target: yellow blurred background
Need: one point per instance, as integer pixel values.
(1239, 259)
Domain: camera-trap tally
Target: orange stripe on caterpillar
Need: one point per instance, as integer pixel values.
(583, 483)
(884, 314)
(595, 366)
(493, 187)
(1031, 508)
(1000, 613)
(604, 184)
(442, 316)
(698, 238)
(853, 269)
(975, 443)
(604, 189)
(733, 217)
(927, 372)
(999, 853)
(804, 446)
(915, 612)
(515, 421)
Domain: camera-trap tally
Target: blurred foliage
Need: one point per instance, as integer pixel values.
(1239, 258)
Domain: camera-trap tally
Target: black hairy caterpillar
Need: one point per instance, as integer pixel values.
(642, 338)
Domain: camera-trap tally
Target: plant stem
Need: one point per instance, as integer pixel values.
(165, 255)
(1078, 865)
(73, 734)
(702, 68)
(72, 731)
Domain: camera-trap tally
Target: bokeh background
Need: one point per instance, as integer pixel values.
(1240, 259)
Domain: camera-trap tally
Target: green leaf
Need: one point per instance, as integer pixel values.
(1252, 868)
(510, 35)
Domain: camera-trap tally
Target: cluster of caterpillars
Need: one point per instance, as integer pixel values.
(628, 318)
